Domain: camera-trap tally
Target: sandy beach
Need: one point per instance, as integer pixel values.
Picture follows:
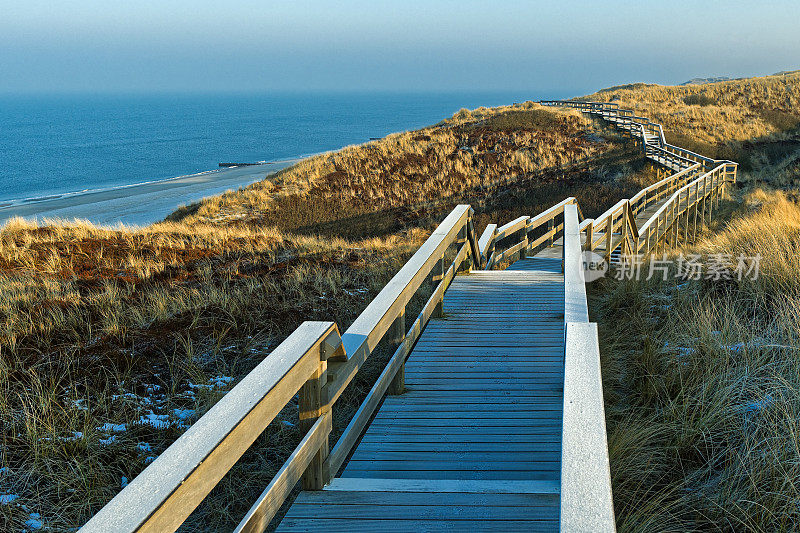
(139, 204)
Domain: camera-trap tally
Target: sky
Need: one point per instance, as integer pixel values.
(569, 46)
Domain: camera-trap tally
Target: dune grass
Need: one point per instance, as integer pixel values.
(473, 151)
(702, 383)
(701, 376)
(115, 341)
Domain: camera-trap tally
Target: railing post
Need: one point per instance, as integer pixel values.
(705, 196)
(658, 240)
(685, 217)
(313, 406)
(696, 205)
(589, 237)
(523, 238)
(437, 274)
(460, 241)
(675, 212)
(710, 198)
(490, 251)
(396, 335)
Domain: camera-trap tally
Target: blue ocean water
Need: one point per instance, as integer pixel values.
(58, 144)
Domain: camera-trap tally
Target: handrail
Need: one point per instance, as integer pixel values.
(313, 360)
(169, 489)
(692, 169)
(368, 329)
(575, 307)
(486, 241)
(641, 194)
(586, 498)
(523, 226)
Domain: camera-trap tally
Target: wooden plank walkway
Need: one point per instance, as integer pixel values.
(475, 441)
(502, 427)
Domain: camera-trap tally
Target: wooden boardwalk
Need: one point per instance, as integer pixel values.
(498, 420)
(475, 441)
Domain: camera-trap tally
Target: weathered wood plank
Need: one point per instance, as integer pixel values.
(461, 447)
(515, 474)
(316, 525)
(416, 508)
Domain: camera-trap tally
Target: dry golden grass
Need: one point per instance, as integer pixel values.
(702, 382)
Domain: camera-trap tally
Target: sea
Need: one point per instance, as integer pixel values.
(57, 144)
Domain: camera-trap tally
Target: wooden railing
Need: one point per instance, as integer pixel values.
(315, 362)
(547, 227)
(676, 219)
(691, 192)
(168, 490)
(586, 498)
(318, 364)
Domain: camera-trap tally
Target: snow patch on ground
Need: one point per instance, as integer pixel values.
(109, 427)
(154, 420)
(34, 521)
(217, 382)
(5, 499)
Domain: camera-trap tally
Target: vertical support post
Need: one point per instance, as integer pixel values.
(685, 217)
(460, 241)
(550, 225)
(703, 210)
(589, 237)
(675, 212)
(437, 274)
(696, 205)
(312, 406)
(710, 199)
(658, 240)
(523, 238)
(397, 332)
(609, 229)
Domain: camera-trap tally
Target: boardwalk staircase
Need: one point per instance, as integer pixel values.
(489, 415)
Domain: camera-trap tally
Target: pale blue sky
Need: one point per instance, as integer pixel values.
(542, 47)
